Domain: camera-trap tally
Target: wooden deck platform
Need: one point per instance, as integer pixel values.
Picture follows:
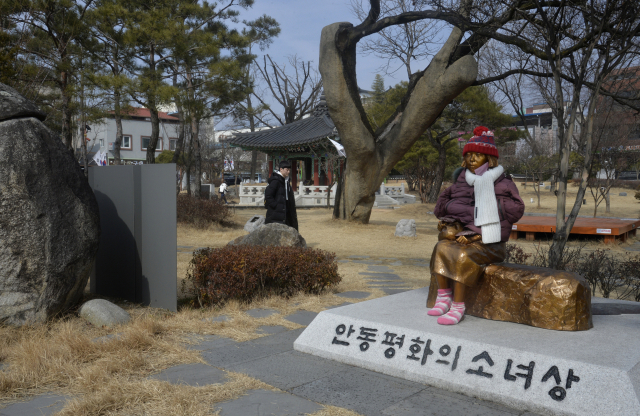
(610, 229)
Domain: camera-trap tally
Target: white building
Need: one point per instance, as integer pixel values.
(136, 133)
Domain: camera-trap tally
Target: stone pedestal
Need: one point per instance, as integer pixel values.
(535, 296)
(595, 372)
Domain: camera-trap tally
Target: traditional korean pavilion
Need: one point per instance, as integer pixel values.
(306, 143)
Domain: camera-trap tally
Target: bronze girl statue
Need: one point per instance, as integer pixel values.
(476, 214)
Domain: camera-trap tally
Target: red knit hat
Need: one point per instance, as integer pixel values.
(481, 142)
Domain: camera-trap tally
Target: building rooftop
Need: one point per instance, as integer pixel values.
(137, 113)
(303, 132)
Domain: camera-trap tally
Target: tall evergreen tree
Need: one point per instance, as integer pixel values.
(54, 28)
(378, 89)
(209, 59)
(111, 56)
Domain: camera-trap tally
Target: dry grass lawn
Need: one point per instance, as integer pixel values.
(621, 206)
(108, 375)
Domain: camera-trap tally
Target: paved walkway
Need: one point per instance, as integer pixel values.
(308, 382)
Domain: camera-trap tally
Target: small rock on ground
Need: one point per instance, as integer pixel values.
(101, 312)
(278, 235)
(406, 228)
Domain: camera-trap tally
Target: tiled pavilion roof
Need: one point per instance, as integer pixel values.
(303, 132)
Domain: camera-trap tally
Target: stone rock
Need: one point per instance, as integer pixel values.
(100, 312)
(13, 105)
(271, 235)
(406, 228)
(254, 223)
(49, 224)
(536, 296)
(622, 194)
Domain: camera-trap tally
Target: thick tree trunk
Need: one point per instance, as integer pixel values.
(372, 157)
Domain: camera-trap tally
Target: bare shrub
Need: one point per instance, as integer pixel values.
(247, 272)
(516, 255)
(605, 273)
(201, 212)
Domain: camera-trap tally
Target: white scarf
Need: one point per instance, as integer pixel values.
(486, 213)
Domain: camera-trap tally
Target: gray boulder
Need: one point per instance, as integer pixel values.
(406, 228)
(254, 223)
(622, 194)
(49, 224)
(271, 235)
(13, 105)
(100, 312)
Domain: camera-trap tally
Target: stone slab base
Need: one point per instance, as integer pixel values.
(592, 372)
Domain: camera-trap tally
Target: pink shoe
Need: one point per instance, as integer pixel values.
(443, 303)
(454, 315)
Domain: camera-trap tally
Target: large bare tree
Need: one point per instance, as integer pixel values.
(566, 36)
(296, 88)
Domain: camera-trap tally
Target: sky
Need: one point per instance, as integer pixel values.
(301, 22)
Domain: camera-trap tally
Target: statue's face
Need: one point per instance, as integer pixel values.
(474, 160)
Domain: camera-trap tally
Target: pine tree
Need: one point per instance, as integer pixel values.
(378, 89)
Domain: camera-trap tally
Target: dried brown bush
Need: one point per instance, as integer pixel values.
(247, 272)
(515, 254)
(201, 212)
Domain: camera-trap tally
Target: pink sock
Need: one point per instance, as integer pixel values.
(443, 303)
(454, 315)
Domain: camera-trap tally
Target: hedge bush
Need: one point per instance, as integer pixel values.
(246, 272)
(201, 212)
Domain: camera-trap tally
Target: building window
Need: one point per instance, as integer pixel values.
(101, 142)
(145, 143)
(173, 143)
(126, 142)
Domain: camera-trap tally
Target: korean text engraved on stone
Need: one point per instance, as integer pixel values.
(427, 351)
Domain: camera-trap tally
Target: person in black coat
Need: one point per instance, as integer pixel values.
(281, 203)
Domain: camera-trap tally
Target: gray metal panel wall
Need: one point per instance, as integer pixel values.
(137, 254)
(158, 256)
(114, 271)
